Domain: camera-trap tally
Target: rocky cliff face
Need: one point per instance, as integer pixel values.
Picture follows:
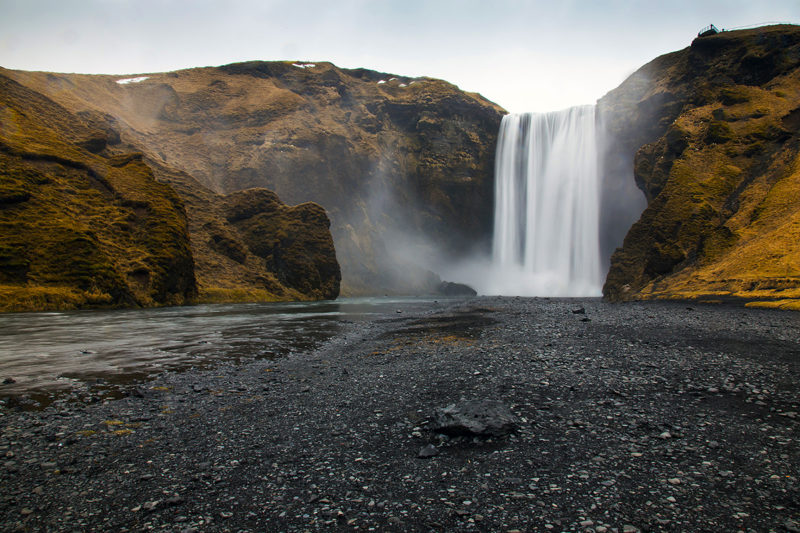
(87, 222)
(713, 133)
(398, 163)
(294, 242)
(80, 227)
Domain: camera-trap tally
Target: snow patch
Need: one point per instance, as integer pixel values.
(304, 65)
(126, 81)
(402, 85)
(381, 82)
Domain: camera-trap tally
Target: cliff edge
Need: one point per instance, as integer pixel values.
(713, 132)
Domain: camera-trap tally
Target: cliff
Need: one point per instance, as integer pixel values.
(87, 223)
(713, 135)
(399, 164)
(230, 263)
(80, 228)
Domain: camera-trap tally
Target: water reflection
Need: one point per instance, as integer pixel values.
(48, 352)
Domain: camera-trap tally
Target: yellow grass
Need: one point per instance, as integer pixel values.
(216, 295)
(14, 298)
(788, 304)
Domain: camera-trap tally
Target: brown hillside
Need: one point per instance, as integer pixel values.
(381, 153)
(716, 133)
(79, 228)
(85, 222)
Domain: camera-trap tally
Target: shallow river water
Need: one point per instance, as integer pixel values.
(44, 353)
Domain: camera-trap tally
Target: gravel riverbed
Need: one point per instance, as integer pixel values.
(632, 417)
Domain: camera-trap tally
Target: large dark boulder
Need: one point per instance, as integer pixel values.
(482, 418)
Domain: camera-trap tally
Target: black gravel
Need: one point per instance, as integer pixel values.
(649, 417)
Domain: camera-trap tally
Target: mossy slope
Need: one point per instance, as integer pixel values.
(86, 223)
(230, 264)
(716, 134)
(79, 228)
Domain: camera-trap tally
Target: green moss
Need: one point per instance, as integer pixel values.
(74, 222)
(294, 242)
(719, 132)
(734, 95)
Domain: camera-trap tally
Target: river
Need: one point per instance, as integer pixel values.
(100, 352)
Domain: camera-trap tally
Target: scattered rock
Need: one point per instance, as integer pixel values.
(428, 451)
(792, 526)
(485, 418)
(174, 500)
(242, 457)
(151, 506)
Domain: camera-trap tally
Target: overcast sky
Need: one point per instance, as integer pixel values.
(524, 55)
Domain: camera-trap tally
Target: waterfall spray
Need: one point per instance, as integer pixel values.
(547, 196)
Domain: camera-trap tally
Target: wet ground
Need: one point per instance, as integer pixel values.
(648, 417)
(90, 356)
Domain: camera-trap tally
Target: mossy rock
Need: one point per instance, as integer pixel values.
(295, 242)
(720, 173)
(718, 132)
(64, 245)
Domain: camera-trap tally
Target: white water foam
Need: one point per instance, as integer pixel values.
(547, 196)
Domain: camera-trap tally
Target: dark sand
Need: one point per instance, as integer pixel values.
(651, 417)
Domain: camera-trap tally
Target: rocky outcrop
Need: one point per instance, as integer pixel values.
(400, 164)
(294, 242)
(713, 135)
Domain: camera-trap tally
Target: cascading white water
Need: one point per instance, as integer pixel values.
(547, 196)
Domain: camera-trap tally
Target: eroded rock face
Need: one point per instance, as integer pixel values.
(713, 136)
(395, 161)
(81, 227)
(294, 242)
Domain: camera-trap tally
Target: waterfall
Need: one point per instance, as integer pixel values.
(547, 196)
